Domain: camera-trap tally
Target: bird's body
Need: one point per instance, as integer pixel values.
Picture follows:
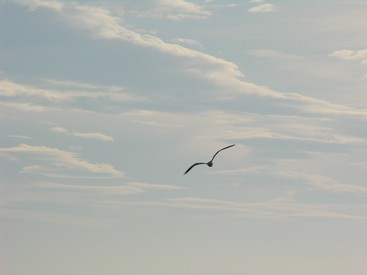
(209, 163)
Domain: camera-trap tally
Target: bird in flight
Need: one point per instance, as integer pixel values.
(210, 163)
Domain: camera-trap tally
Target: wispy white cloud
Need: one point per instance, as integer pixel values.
(34, 4)
(257, 170)
(326, 183)
(59, 159)
(317, 181)
(66, 91)
(172, 9)
(61, 95)
(181, 9)
(98, 136)
(155, 118)
(20, 136)
(189, 42)
(103, 24)
(359, 55)
(244, 133)
(244, 126)
(263, 8)
(213, 4)
(25, 107)
(352, 55)
(12, 89)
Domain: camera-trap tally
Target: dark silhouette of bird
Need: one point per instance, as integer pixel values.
(210, 163)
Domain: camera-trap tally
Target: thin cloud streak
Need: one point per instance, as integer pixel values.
(245, 126)
(263, 8)
(352, 55)
(63, 159)
(98, 136)
(359, 55)
(325, 183)
(68, 91)
(173, 10)
(25, 107)
(317, 181)
(20, 136)
(188, 41)
(245, 133)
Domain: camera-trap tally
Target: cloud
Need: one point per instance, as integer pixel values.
(57, 95)
(249, 128)
(254, 170)
(263, 8)
(187, 41)
(20, 136)
(180, 9)
(71, 195)
(352, 55)
(65, 91)
(171, 9)
(281, 127)
(244, 133)
(100, 22)
(25, 107)
(103, 24)
(318, 181)
(360, 55)
(12, 89)
(61, 160)
(326, 183)
(34, 4)
(98, 136)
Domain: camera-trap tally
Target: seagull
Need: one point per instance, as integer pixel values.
(210, 163)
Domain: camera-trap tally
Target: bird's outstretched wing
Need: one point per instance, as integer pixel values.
(222, 149)
(198, 163)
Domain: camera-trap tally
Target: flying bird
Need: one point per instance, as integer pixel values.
(210, 163)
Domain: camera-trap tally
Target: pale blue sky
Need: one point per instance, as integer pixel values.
(104, 105)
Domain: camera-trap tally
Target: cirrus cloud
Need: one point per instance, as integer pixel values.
(263, 8)
(359, 55)
(64, 161)
(99, 136)
(102, 23)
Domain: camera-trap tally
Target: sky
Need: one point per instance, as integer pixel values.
(105, 104)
